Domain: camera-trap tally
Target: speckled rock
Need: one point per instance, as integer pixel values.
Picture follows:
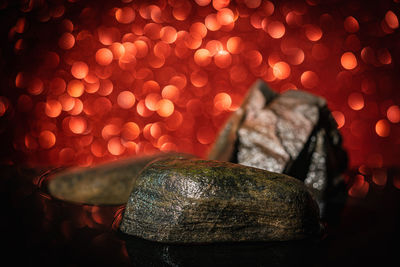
(202, 201)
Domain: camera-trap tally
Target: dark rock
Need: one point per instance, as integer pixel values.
(201, 201)
(105, 184)
(292, 133)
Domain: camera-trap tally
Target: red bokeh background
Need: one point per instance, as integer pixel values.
(84, 82)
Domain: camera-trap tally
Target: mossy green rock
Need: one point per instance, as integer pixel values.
(203, 201)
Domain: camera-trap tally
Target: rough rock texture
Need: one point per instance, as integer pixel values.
(292, 133)
(106, 184)
(202, 201)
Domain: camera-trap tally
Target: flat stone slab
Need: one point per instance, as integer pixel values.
(177, 200)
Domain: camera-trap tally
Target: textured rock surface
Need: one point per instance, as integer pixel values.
(106, 184)
(201, 201)
(292, 133)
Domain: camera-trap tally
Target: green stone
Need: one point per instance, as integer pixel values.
(178, 200)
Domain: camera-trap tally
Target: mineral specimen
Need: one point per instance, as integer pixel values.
(107, 184)
(179, 200)
(292, 133)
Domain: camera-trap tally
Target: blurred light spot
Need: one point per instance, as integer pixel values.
(203, 2)
(142, 110)
(199, 78)
(151, 101)
(351, 24)
(202, 57)
(115, 147)
(313, 33)
(309, 79)
(281, 70)
(276, 29)
(198, 28)
(170, 92)
(393, 114)
(35, 86)
(104, 56)
(53, 108)
(75, 88)
(125, 15)
(379, 177)
(77, 125)
(47, 139)
(355, 101)
(234, 45)
(360, 187)
(168, 34)
(223, 59)
(165, 108)
(126, 99)
(384, 56)
(382, 128)
(214, 46)
(348, 60)
(79, 69)
(130, 131)
(205, 135)
(218, 4)
(339, 118)
(225, 16)
(222, 101)
(391, 20)
(66, 41)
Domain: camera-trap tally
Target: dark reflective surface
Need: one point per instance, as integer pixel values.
(37, 230)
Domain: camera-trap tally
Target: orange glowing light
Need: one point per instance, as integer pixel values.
(142, 110)
(313, 32)
(77, 125)
(156, 130)
(53, 108)
(276, 29)
(360, 187)
(356, 101)
(203, 2)
(170, 92)
(391, 20)
(35, 86)
(222, 101)
(382, 128)
(165, 108)
(199, 78)
(79, 69)
(168, 34)
(47, 139)
(252, 3)
(130, 131)
(281, 70)
(104, 56)
(66, 41)
(117, 49)
(223, 59)
(309, 79)
(214, 46)
(234, 45)
(393, 114)
(142, 48)
(205, 135)
(125, 15)
(199, 28)
(21, 80)
(379, 177)
(348, 60)
(193, 40)
(253, 58)
(109, 131)
(30, 142)
(225, 16)
(115, 146)
(3, 107)
(173, 122)
(212, 23)
(78, 107)
(152, 30)
(384, 56)
(67, 102)
(339, 118)
(179, 81)
(351, 24)
(57, 86)
(126, 99)
(202, 57)
(151, 101)
(106, 87)
(75, 88)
